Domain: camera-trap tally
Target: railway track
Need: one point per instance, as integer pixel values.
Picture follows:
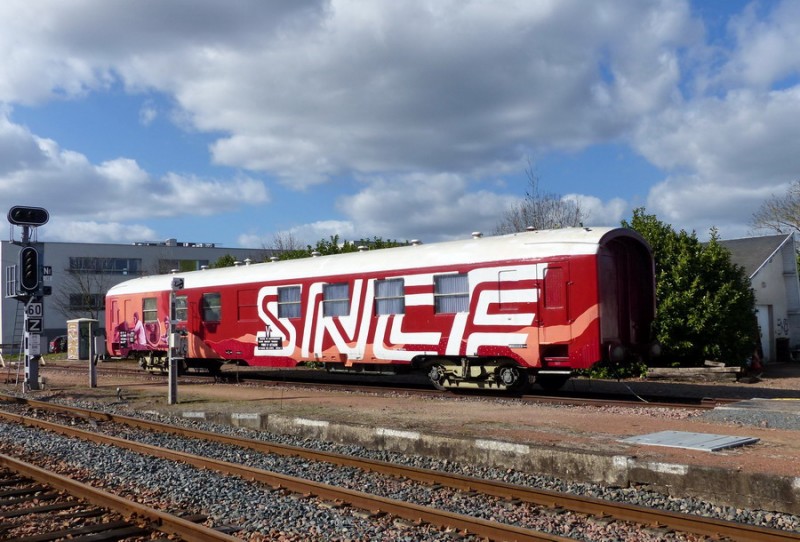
(515, 495)
(38, 505)
(598, 399)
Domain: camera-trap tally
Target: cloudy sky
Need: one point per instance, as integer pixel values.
(228, 122)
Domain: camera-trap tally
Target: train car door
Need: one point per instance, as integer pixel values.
(625, 292)
(114, 315)
(193, 328)
(554, 320)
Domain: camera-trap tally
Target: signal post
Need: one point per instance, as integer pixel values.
(174, 339)
(24, 283)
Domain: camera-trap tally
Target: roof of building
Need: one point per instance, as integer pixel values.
(753, 252)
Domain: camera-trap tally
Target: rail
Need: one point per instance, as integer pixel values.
(597, 507)
(160, 521)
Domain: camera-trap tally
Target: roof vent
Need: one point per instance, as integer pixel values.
(362, 248)
(530, 228)
(237, 263)
(316, 254)
(273, 258)
(477, 235)
(248, 261)
(173, 271)
(415, 242)
(203, 267)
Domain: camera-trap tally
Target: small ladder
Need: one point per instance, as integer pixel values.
(18, 337)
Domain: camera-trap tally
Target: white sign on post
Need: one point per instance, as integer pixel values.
(35, 345)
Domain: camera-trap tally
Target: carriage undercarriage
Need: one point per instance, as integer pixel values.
(495, 374)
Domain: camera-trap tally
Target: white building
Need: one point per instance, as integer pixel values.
(86, 268)
(771, 264)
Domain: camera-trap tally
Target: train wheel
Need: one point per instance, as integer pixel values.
(436, 374)
(511, 378)
(552, 382)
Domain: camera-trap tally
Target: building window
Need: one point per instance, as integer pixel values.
(150, 309)
(389, 297)
(451, 293)
(111, 266)
(336, 299)
(289, 302)
(211, 307)
(181, 308)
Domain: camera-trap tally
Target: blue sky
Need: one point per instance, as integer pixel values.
(236, 122)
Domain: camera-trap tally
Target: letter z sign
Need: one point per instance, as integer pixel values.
(33, 325)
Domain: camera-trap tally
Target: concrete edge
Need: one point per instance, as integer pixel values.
(720, 486)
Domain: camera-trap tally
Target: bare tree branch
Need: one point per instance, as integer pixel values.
(779, 214)
(285, 241)
(540, 210)
(82, 294)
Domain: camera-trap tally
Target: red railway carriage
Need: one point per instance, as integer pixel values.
(493, 312)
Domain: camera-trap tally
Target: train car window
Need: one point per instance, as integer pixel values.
(150, 309)
(336, 299)
(555, 295)
(211, 307)
(289, 302)
(390, 296)
(451, 293)
(181, 308)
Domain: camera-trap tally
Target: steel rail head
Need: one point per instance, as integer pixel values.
(158, 520)
(587, 505)
(489, 529)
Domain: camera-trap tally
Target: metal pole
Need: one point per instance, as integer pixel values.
(173, 362)
(92, 366)
(32, 349)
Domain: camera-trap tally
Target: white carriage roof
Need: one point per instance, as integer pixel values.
(531, 245)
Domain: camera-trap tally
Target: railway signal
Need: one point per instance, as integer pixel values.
(27, 288)
(28, 216)
(29, 269)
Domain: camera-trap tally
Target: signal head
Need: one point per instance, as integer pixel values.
(28, 216)
(29, 269)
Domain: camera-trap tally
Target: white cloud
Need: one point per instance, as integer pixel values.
(414, 206)
(96, 232)
(728, 156)
(119, 189)
(764, 46)
(311, 90)
(598, 212)
(419, 100)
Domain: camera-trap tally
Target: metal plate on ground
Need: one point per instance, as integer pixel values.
(704, 442)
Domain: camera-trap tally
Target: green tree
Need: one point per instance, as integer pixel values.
(333, 245)
(706, 306)
(224, 261)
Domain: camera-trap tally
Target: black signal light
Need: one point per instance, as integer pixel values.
(29, 269)
(28, 216)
